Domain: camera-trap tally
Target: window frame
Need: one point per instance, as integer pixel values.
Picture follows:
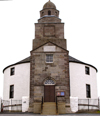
(46, 58)
(11, 92)
(12, 71)
(88, 92)
(87, 70)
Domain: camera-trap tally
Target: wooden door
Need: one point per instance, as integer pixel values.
(49, 93)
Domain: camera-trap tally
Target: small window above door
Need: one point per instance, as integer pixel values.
(49, 82)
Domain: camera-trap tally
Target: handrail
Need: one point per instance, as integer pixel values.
(56, 105)
(42, 105)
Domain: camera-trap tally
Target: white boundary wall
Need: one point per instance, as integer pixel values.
(74, 104)
(99, 103)
(25, 103)
(0, 103)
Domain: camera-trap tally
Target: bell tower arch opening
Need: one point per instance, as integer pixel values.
(49, 12)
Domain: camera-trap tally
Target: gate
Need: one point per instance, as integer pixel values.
(5, 105)
(88, 104)
(16, 105)
(11, 105)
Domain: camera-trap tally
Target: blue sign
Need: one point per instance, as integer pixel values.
(62, 93)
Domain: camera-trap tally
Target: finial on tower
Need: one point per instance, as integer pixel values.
(49, 0)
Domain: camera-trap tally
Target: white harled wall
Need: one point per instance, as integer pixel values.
(20, 80)
(78, 81)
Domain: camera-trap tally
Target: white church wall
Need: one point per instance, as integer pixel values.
(78, 81)
(20, 80)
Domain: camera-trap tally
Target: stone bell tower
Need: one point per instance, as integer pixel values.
(49, 27)
(49, 64)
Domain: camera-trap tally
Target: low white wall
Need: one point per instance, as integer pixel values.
(25, 103)
(99, 103)
(78, 81)
(74, 104)
(20, 80)
(0, 104)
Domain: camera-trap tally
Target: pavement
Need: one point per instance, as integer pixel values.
(27, 114)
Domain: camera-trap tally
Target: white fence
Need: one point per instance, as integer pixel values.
(14, 105)
(84, 104)
(75, 104)
(88, 104)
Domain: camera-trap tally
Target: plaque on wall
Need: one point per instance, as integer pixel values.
(49, 31)
(60, 93)
(49, 48)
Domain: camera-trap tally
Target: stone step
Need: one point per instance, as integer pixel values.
(49, 108)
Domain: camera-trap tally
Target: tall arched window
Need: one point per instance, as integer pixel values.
(49, 12)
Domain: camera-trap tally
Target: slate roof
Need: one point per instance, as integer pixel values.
(71, 59)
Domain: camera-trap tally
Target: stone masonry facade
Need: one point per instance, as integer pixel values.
(49, 31)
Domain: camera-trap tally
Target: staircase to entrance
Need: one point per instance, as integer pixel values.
(49, 108)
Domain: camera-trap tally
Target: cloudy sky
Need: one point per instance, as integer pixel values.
(82, 30)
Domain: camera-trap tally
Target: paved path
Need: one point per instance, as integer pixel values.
(49, 115)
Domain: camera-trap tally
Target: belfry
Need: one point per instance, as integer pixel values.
(49, 79)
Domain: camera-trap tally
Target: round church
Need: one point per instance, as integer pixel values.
(49, 76)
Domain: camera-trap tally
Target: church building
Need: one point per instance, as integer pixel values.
(50, 76)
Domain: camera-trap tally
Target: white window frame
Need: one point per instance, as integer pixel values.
(49, 59)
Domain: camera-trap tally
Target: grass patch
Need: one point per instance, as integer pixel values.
(93, 112)
(98, 111)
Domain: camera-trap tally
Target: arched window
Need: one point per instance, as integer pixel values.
(42, 13)
(49, 12)
(49, 82)
(56, 13)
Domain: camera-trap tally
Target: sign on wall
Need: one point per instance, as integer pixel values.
(61, 93)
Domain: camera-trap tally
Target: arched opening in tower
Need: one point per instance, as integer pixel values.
(49, 12)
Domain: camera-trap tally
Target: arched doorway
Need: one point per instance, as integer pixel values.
(49, 90)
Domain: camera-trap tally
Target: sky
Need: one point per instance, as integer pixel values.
(82, 30)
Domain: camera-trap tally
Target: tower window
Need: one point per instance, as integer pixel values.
(88, 92)
(42, 13)
(49, 12)
(49, 58)
(11, 91)
(87, 70)
(56, 13)
(12, 71)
